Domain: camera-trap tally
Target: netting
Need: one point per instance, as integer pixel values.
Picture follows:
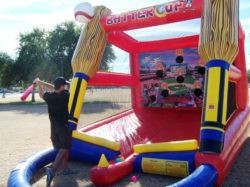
(167, 31)
(102, 102)
(118, 60)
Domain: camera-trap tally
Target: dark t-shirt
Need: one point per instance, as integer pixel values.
(57, 107)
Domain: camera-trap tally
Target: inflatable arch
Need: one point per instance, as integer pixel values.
(196, 121)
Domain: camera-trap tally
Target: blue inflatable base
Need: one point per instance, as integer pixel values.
(90, 153)
(22, 174)
(203, 176)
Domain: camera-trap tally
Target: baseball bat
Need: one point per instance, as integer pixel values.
(27, 92)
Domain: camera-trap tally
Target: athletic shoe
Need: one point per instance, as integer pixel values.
(50, 176)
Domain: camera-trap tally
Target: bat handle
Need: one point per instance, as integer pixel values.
(214, 115)
(77, 93)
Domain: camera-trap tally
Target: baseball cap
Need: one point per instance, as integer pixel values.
(60, 81)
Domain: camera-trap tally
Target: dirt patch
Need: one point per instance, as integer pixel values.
(82, 178)
(240, 172)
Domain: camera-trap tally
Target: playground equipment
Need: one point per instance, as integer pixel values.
(162, 133)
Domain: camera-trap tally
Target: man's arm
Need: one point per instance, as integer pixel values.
(42, 86)
(48, 86)
(40, 90)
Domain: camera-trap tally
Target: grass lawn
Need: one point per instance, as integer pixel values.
(188, 79)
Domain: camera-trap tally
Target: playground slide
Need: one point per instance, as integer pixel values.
(148, 126)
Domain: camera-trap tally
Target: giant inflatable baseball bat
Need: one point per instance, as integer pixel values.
(27, 92)
(87, 57)
(218, 47)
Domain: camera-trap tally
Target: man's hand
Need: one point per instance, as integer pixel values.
(37, 81)
(44, 85)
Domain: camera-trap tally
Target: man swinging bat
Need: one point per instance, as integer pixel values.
(57, 99)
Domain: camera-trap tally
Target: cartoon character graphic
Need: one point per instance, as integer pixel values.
(198, 93)
(191, 102)
(152, 93)
(179, 52)
(147, 59)
(188, 5)
(145, 94)
(159, 68)
(146, 63)
(180, 75)
(197, 88)
(164, 89)
(159, 97)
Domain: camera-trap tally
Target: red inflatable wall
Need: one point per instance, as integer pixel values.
(116, 24)
(155, 15)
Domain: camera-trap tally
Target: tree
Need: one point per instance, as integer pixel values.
(5, 59)
(61, 45)
(107, 58)
(6, 65)
(46, 55)
(31, 54)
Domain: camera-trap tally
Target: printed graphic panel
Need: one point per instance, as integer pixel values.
(172, 78)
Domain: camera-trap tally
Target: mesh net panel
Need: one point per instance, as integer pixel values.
(231, 101)
(103, 102)
(115, 60)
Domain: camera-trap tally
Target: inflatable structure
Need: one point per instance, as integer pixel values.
(190, 113)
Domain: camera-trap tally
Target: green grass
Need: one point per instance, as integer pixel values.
(177, 87)
(188, 79)
(181, 93)
(170, 80)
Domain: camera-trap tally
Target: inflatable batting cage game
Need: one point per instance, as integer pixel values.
(189, 94)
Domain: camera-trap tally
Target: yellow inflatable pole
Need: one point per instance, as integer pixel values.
(218, 48)
(86, 59)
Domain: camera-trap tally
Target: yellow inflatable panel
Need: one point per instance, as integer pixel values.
(96, 140)
(175, 168)
(186, 145)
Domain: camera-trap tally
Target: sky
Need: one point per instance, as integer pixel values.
(17, 16)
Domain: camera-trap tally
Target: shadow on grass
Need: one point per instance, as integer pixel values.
(21, 103)
(41, 108)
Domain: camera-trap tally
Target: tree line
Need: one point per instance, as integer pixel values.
(45, 54)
